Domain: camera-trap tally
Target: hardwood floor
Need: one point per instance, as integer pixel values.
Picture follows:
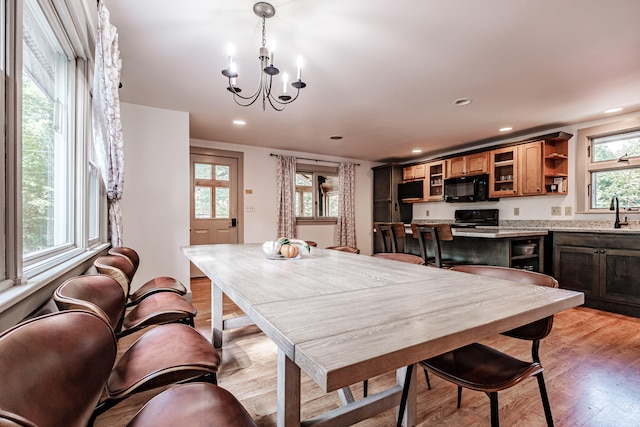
(591, 360)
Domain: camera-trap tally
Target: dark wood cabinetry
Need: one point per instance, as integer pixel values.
(386, 206)
(606, 267)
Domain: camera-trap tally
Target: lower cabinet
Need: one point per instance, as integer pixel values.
(606, 267)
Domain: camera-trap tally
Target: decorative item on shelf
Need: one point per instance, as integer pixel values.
(285, 248)
(268, 70)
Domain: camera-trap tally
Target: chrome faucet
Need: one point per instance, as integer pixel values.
(617, 224)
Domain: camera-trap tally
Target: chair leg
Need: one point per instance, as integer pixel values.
(545, 400)
(405, 393)
(426, 375)
(365, 388)
(493, 397)
(459, 396)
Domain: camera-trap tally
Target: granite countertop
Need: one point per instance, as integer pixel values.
(523, 228)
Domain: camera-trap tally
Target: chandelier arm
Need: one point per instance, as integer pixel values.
(286, 102)
(251, 98)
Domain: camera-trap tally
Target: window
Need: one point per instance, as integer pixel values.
(317, 193)
(54, 201)
(612, 166)
(211, 191)
(47, 187)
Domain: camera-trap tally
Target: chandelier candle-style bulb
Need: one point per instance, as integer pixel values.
(266, 57)
(272, 51)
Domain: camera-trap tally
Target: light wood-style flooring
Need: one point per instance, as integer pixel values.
(591, 360)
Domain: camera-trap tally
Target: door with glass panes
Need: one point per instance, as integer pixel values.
(214, 181)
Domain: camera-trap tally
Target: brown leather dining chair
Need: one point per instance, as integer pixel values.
(193, 405)
(393, 240)
(54, 368)
(156, 284)
(157, 308)
(164, 355)
(482, 368)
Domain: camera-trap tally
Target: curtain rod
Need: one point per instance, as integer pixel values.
(313, 160)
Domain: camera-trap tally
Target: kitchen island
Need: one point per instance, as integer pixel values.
(493, 246)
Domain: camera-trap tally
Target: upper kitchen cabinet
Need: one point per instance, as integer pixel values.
(411, 173)
(556, 164)
(469, 164)
(503, 167)
(530, 170)
(434, 184)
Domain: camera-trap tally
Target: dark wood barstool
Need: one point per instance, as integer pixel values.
(393, 236)
(433, 235)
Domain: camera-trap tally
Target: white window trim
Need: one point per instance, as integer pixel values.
(584, 166)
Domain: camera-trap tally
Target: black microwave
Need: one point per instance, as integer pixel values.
(467, 189)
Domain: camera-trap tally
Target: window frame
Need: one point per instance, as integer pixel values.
(72, 22)
(316, 170)
(585, 167)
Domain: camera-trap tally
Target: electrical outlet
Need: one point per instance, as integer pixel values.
(567, 210)
(250, 209)
(516, 211)
(426, 213)
(555, 210)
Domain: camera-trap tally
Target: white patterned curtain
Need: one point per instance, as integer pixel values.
(347, 210)
(107, 129)
(286, 193)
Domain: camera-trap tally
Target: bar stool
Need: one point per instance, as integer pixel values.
(432, 235)
(392, 234)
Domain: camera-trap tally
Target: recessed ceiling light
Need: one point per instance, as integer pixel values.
(505, 129)
(462, 101)
(613, 110)
(416, 151)
(239, 122)
(335, 137)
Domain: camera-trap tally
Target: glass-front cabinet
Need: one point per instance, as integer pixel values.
(503, 166)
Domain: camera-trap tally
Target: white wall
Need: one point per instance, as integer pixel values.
(155, 204)
(260, 177)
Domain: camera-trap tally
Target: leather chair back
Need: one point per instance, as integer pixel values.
(532, 331)
(118, 268)
(97, 293)
(128, 253)
(54, 369)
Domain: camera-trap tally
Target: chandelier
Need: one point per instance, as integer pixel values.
(268, 70)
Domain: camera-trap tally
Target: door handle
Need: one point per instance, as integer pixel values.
(234, 222)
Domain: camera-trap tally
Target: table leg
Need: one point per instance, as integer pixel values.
(409, 418)
(288, 392)
(216, 316)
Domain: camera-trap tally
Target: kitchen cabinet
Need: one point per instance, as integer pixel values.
(411, 173)
(556, 165)
(503, 172)
(530, 182)
(602, 265)
(386, 206)
(434, 184)
(469, 164)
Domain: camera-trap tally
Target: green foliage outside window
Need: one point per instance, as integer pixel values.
(622, 182)
(37, 167)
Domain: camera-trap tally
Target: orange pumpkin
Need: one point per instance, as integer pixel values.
(289, 251)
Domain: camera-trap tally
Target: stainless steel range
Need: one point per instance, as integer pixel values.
(476, 217)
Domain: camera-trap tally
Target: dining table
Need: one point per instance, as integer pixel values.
(343, 318)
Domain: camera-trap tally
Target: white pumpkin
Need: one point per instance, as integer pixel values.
(271, 248)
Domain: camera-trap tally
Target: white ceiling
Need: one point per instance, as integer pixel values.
(384, 74)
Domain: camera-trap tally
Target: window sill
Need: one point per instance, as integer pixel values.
(327, 221)
(18, 293)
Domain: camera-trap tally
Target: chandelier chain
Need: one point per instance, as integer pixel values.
(264, 36)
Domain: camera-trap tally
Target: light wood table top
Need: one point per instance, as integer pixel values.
(343, 318)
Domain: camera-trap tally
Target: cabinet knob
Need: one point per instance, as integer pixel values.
(601, 251)
(595, 251)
